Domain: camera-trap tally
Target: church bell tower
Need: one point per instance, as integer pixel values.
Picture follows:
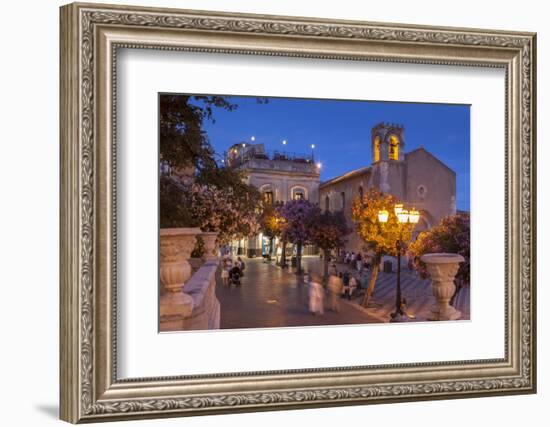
(387, 142)
(388, 159)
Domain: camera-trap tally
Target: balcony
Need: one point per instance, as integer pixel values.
(252, 157)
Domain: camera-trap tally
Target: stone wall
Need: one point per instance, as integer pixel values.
(200, 311)
(330, 195)
(431, 186)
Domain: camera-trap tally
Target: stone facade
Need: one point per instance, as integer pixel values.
(279, 176)
(417, 178)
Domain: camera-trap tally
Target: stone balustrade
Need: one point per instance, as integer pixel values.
(198, 312)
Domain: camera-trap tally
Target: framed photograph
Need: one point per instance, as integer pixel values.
(266, 212)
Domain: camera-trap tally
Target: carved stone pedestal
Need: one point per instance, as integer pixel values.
(442, 269)
(176, 245)
(210, 245)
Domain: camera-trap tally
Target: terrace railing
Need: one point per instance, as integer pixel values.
(244, 156)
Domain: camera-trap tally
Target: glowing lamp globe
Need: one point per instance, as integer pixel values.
(398, 208)
(383, 215)
(403, 216)
(414, 216)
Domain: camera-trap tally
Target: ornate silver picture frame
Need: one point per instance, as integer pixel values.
(91, 35)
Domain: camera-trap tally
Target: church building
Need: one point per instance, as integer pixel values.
(417, 178)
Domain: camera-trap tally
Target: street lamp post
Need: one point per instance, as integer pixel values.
(403, 217)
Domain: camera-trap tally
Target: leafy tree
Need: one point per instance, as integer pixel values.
(270, 223)
(295, 228)
(242, 202)
(328, 231)
(451, 235)
(207, 207)
(183, 142)
(380, 238)
(174, 210)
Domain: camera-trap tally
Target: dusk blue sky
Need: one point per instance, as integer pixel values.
(340, 131)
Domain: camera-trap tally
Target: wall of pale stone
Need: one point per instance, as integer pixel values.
(421, 181)
(205, 313)
(431, 186)
(279, 177)
(390, 177)
(282, 184)
(351, 188)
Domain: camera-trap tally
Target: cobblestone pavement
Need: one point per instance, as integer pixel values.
(273, 297)
(417, 292)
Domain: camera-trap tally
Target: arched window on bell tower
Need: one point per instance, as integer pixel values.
(376, 149)
(387, 142)
(394, 148)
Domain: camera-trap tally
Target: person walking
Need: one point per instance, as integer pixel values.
(363, 282)
(235, 275)
(335, 286)
(225, 273)
(352, 286)
(345, 281)
(316, 295)
(333, 270)
(359, 262)
(241, 265)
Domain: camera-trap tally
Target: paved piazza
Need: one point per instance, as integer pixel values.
(270, 296)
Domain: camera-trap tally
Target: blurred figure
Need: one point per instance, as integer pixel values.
(241, 265)
(352, 286)
(235, 275)
(335, 286)
(316, 295)
(359, 262)
(364, 281)
(345, 280)
(333, 270)
(228, 263)
(225, 272)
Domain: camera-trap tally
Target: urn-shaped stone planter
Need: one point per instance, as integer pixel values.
(210, 245)
(176, 245)
(442, 269)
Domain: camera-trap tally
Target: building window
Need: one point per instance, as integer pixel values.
(268, 197)
(327, 204)
(361, 193)
(298, 193)
(377, 149)
(343, 200)
(394, 148)
(421, 190)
